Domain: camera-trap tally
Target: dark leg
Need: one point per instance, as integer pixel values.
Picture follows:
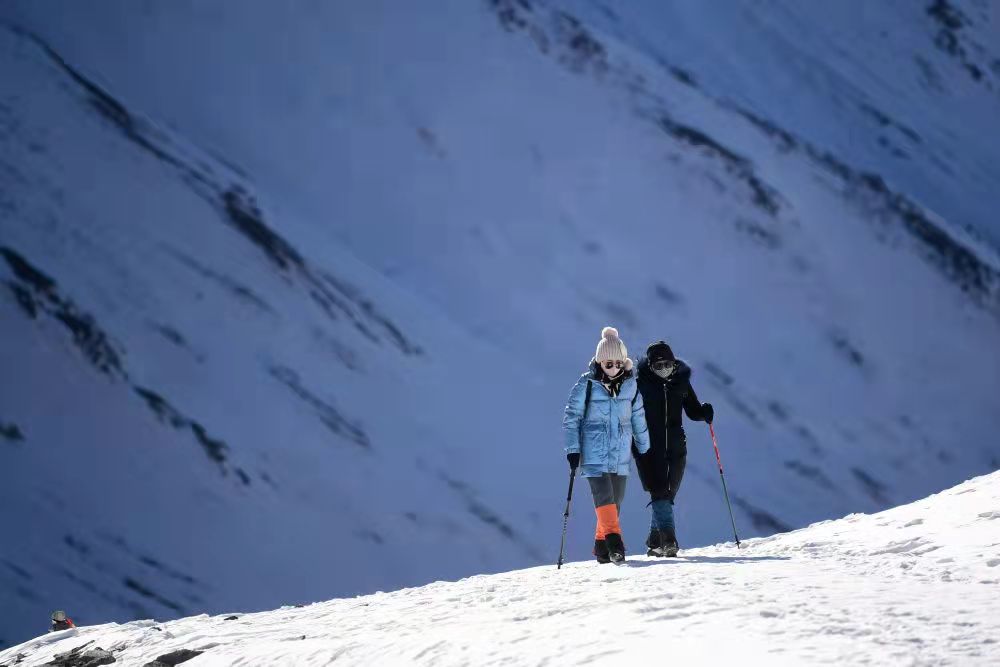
(675, 473)
(603, 490)
(619, 483)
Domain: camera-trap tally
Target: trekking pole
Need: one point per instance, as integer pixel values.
(569, 498)
(718, 460)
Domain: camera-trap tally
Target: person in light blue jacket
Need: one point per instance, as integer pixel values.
(604, 416)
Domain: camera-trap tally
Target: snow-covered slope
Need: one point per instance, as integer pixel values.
(297, 298)
(916, 585)
(190, 402)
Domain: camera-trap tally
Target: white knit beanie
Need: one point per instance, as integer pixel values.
(611, 348)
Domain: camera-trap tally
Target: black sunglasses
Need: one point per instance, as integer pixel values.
(614, 364)
(661, 364)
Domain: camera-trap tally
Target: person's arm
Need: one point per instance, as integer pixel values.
(572, 416)
(640, 432)
(696, 410)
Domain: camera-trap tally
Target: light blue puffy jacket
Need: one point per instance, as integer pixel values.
(604, 440)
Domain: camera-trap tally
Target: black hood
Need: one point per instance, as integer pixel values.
(681, 374)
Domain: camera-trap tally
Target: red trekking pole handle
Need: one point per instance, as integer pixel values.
(715, 444)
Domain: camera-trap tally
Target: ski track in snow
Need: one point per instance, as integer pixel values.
(916, 585)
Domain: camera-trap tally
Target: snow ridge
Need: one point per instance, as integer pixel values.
(913, 585)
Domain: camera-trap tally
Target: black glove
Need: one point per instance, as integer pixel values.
(574, 460)
(709, 412)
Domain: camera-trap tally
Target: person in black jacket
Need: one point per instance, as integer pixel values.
(665, 384)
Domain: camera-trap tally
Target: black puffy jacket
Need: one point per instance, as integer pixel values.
(662, 467)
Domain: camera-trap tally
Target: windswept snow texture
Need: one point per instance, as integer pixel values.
(295, 297)
(915, 585)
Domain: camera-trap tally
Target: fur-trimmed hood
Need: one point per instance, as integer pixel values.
(681, 374)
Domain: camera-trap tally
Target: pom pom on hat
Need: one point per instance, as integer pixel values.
(611, 347)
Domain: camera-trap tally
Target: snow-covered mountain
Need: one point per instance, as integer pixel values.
(915, 585)
(291, 301)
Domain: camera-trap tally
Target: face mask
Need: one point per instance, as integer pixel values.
(616, 368)
(663, 370)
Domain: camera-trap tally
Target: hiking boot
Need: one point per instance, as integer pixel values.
(601, 552)
(654, 543)
(668, 543)
(616, 548)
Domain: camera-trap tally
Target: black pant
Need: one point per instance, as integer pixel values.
(675, 474)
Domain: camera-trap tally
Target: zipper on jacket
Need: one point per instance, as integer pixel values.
(666, 417)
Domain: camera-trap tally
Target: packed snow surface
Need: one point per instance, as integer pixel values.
(913, 585)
